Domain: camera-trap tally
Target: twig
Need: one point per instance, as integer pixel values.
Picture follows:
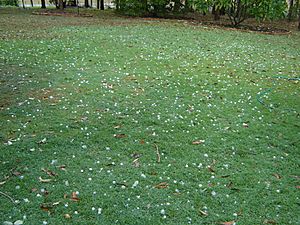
(6, 195)
(157, 153)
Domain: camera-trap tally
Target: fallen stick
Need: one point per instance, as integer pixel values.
(157, 153)
(6, 195)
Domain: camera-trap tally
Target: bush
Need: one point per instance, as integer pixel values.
(9, 2)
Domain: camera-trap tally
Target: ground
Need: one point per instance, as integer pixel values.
(112, 120)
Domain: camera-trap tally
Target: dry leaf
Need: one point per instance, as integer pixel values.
(136, 162)
(62, 167)
(198, 142)
(203, 213)
(16, 173)
(43, 141)
(276, 175)
(161, 185)
(49, 172)
(270, 222)
(46, 207)
(142, 142)
(246, 125)
(33, 189)
(298, 187)
(228, 223)
(119, 135)
(117, 126)
(67, 216)
(74, 197)
(44, 180)
(3, 182)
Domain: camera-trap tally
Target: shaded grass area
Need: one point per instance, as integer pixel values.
(86, 101)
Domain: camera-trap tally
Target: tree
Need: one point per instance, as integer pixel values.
(61, 4)
(290, 11)
(43, 3)
(102, 5)
(31, 2)
(86, 3)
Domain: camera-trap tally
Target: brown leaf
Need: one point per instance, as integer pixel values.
(49, 172)
(161, 185)
(270, 222)
(276, 175)
(74, 197)
(228, 223)
(142, 141)
(198, 142)
(46, 207)
(62, 167)
(298, 187)
(44, 180)
(33, 189)
(120, 135)
(16, 173)
(211, 169)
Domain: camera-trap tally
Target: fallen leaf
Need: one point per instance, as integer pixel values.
(198, 142)
(298, 187)
(276, 175)
(203, 213)
(16, 173)
(228, 223)
(33, 189)
(211, 169)
(45, 207)
(161, 185)
(117, 126)
(246, 125)
(3, 182)
(18, 222)
(43, 141)
(62, 167)
(67, 216)
(119, 135)
(44, 180)
(136, 162)
(49, 172)
(74, 197)
(270, 222)
(142, 142)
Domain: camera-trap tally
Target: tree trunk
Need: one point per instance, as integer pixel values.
(177, 5)
(61, 4)
(91, 4)
(23, 4)
(299, 20)
(98, 4)
(216, 13)
(290, 12)
(43, 4)
(102, 5)
(31, 2)
(86, 3)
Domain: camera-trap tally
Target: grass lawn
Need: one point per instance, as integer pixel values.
(110, 120)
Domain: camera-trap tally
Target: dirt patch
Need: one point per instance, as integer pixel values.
(66, 14)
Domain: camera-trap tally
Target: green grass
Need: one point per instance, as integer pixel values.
(78, 82)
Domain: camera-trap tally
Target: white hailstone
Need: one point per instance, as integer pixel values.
(93, 208)
(213, 193)
(90, 179)
(205, 155)
(143, 175)
(99, 211)
(135, 184)
(17, 187)
(45, 222)
(162, 212)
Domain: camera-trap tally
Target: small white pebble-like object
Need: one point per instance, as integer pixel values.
(135, 184)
